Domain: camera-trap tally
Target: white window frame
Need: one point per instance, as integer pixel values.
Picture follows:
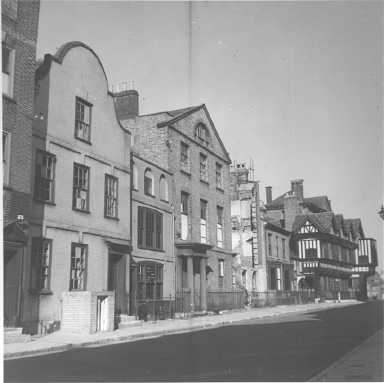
(184, 212)
(8, 78)
(220, 224)
(203, 221)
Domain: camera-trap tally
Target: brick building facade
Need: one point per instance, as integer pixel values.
(19, 36)
(185, 143)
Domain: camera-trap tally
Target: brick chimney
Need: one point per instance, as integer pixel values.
(297, 189)
(126, 104)
(291, 210)
(268, 194)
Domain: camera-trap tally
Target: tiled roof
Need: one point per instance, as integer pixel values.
(321, 202)
(316, 204)
(323, 221)
(338, 220)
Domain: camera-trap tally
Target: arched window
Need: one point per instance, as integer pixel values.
(135, 177)
(163, 188)
(201, 134)
(149, 185)
(150, 280)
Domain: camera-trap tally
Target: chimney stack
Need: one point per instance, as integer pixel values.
(268, 194)
(126, 104)
(297, 188)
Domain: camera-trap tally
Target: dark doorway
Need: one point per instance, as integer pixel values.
(12, 270)
(116, 280)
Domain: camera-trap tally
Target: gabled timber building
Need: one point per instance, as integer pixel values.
(331, 254)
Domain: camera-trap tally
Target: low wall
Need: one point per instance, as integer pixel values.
(88, 311)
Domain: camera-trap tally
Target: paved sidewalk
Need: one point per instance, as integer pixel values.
(363, 363)
(59, 341)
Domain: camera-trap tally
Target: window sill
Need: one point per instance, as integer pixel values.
(164, 200)
(112, 218)
(9, 98)
(186, 172)
(204, 182)
(135, 189)
(150, 249)
(219, 189)
(40, 291)
(7, 187)
(83, 140)
(150, 195)
(44, 202)
(81, 211)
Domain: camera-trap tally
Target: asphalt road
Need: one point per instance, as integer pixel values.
(291, 348)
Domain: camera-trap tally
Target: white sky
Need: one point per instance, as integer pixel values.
(297, 86)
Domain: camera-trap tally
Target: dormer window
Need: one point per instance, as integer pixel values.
(201, 134)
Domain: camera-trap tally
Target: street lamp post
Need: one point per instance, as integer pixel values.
(381, 212)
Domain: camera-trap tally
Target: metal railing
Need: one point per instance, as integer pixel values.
(226, 300)
(274, 298)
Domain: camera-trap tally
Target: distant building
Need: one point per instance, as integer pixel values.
(81, 233)
(279, 264)
(186, 144)
(20, 21)
(249, 264)
(324, 245)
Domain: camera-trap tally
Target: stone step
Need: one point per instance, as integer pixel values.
(14, 335)
(127, 318)
(131, 323)
(13, 330)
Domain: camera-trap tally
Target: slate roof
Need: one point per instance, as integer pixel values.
(316, 204)
(323, 221)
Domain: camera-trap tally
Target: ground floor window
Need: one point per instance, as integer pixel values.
(78, 266)
(287, 280)
(150, 280)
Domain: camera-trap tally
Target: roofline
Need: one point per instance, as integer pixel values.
(43, 69)
(191, 111)
(179, 117)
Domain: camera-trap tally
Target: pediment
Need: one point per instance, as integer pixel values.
(200, 119)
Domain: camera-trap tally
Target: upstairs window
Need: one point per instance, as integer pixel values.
(163, 188)
(45, 176)
(184, 157)
(6, 156)
(269, 244)
(80, 187)
(203, 168)
(203, 220)
(184, 209)
(83, 120)
(111, 196)
(135, 177)
(201, 134)
(8, 61)
(150, 229)
(79, 255)
(219, 176)
(283, 246)
(220, 222)
(149, 183)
